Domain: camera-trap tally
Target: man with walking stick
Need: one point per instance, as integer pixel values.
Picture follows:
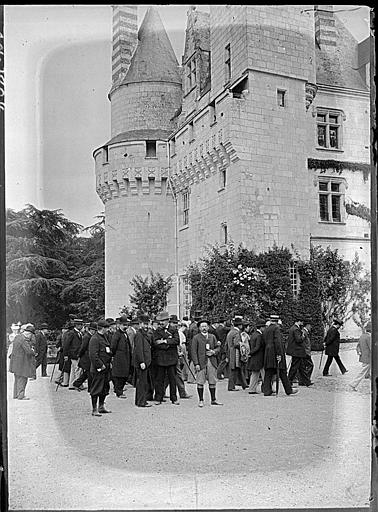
(274, 359)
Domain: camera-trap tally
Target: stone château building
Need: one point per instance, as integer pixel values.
(261, 136)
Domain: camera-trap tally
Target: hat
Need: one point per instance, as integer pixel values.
(15, 326)
(274, 318)
(43, 326)
(260, 323)
(144, 318)
(92, 325)
(203, 320)
(163, 315)
(173, 319)
(337, 321)
(110, 321)
(134, 321)
(77, 321)
(237, 321)
(29, 328)
(102, 323)
(185, 318)
(197, 315)
(124, 320)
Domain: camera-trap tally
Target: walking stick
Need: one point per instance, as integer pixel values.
(186, 362)
(321, 358)
(56, 361)
(278, 375)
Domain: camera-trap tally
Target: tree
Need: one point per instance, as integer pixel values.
(150, 293)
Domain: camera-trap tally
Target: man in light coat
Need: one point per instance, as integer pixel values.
(256, 357)
(364, 345)
(22, 361)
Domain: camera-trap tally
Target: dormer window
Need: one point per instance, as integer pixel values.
(191, 78)
(105, 155)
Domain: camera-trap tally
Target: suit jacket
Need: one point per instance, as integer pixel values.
(99, 352)
(199, 349)
(121, 349)
(22, 359)
(71, 343)
(365, 347)
(273, 347)
(257, 349)
(295, 340)
(332, 342)
(40, 346)
(233, 342)
(84, 361)
(142, 348)
(166, 353)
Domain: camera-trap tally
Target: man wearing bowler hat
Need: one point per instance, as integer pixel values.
(142, 361)
(165, 343)
(100, 356)
(41, 348)
(205, 348)
(332, 346)
(121, 350)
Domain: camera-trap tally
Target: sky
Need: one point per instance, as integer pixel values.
(57, 78)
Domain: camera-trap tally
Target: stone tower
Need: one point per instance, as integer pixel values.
(132, 167)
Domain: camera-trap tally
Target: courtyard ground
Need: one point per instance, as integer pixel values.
(308, 450)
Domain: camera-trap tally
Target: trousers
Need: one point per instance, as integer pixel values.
(363, 371)
(328, 364)
(19, 386)
(267, 384)
(233, 379)
(119, 384)
(254, 379)
(161, 372)
(141, 386)
(42, 362)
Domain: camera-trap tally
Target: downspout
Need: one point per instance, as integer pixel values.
(176, 234)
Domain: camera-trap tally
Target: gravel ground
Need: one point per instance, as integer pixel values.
(308, 450)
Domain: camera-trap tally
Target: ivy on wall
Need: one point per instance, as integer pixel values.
(339, 167)
(358, 210)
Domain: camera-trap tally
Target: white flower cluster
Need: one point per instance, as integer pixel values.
(245, 275)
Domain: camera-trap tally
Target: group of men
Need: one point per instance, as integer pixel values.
(154, 353)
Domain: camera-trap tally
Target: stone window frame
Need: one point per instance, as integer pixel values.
(281, 97)
(222, 178)
(327, 124)
(191, 73)
(185, 205)
(224, 234)
(148, 149)
(105, 155)
(186, 294)
(331, 187)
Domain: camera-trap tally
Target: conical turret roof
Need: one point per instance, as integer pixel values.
(154, 58)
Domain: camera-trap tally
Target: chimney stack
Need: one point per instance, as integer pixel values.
(325, 31)
(125, 36)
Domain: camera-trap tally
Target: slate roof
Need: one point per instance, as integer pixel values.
(143, 134)
(338, 65)
(154, 58)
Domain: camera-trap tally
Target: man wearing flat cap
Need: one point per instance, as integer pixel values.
(332, 346)
(233, 343)
(100, 356)
(121, 350)
(165, 343)
(22, 361)
(41, 348)
(275, 358)
(142, 361)
(205, 348)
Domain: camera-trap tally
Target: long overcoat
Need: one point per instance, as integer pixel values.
(332, 342)
(142, 348)
(365, 348)
(166, 353)
(273, 347)
(22, 360)
(233, 343)
(40, 347)
(71, 342)
(99, 352)
(257, 348)
(84, 361)
(295, 340)
(121, 349)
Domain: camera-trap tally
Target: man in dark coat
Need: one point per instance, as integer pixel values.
(131, 333)
(22, 361)
(275, 358)
(332, 346)
(222, 330)
(233, 343)
(180, 384)
(84, 361)
(71, 346)
(100, 356)
(41, 348)
(205, 347)
(142, 361)
(296, 349)
(255, 363)
(308, 364)
(64, 367)
(121, 349)
(165, 343)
